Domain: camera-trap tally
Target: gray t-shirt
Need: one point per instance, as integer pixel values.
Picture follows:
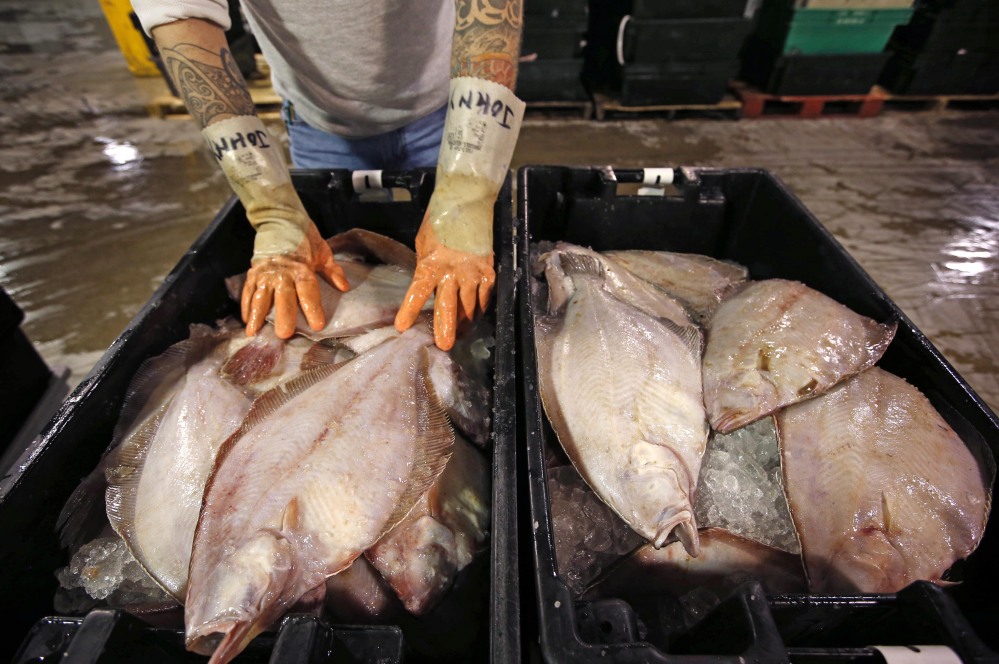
(351, 67)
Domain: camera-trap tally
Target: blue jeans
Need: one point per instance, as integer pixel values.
(414, 146)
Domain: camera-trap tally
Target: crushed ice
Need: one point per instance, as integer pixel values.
(104, 570)
(740, 487)
(589, 537)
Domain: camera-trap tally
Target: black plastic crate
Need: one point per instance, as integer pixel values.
(676, 83)
(24, 378)
(961, 10)
(10, 314)
(748, 216)
(555, 8)
(836, 74)
(554, 38)
(940, 73)
(689, 8)
(683, 40)
(925, 32)
(551, 80)
(32, 495)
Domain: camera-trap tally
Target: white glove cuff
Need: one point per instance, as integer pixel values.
(248, 156)
(481, 129)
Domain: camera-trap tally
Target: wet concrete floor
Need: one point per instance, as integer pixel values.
(99, 200)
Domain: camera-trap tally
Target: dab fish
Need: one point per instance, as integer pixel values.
(699, 281)
(777, 342)
(319, 471)
(622, 390)
(882, 491)
(181, 406)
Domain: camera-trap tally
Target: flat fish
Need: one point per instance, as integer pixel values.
(622, 390)
(882, 491)
(778, 342)
(723, 555)
(164, 432)
(617, 281)
(184, 409)
(449, 525)
(322, 467)
(699, 281)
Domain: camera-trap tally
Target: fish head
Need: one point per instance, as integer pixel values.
(241, 597)
(658, 480)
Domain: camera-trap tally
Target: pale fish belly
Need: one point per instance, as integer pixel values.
(778, 342)
(882, 491)
(623, 393)
(319, 471)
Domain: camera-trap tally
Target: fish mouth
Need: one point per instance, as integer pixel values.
(682, 523)
(223, 640)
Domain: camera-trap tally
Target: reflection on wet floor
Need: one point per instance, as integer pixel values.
(99, 200)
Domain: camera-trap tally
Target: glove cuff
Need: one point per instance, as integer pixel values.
(480, 134)
(254, 166)
(480, 131)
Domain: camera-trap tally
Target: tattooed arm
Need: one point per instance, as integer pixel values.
(196, 56)
(288, 251)
(454, 246)
(487, 40)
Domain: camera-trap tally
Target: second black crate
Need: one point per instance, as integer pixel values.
(836, 74)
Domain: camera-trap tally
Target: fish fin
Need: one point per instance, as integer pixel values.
(434, 447)
(574, 263)
(325, 353)
(262, 407)
(691, 335)
(84, 513)
(274, 398)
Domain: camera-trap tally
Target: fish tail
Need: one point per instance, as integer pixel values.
(575, 263)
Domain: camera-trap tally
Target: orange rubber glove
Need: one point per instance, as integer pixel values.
(454, 246)
(288, 251)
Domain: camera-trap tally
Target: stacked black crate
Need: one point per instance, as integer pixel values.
(552, 51)
(666, 52)
(949, 47)
(821, 47)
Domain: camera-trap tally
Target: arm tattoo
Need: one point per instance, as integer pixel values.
(210, 83)
(487, 39)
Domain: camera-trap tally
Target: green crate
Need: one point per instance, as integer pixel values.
(830, 31)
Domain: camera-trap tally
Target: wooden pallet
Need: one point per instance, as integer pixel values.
(937, 103)
(543, 108)
(604, 104)
(756, 104)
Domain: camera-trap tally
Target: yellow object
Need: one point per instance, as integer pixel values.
(130, 41)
